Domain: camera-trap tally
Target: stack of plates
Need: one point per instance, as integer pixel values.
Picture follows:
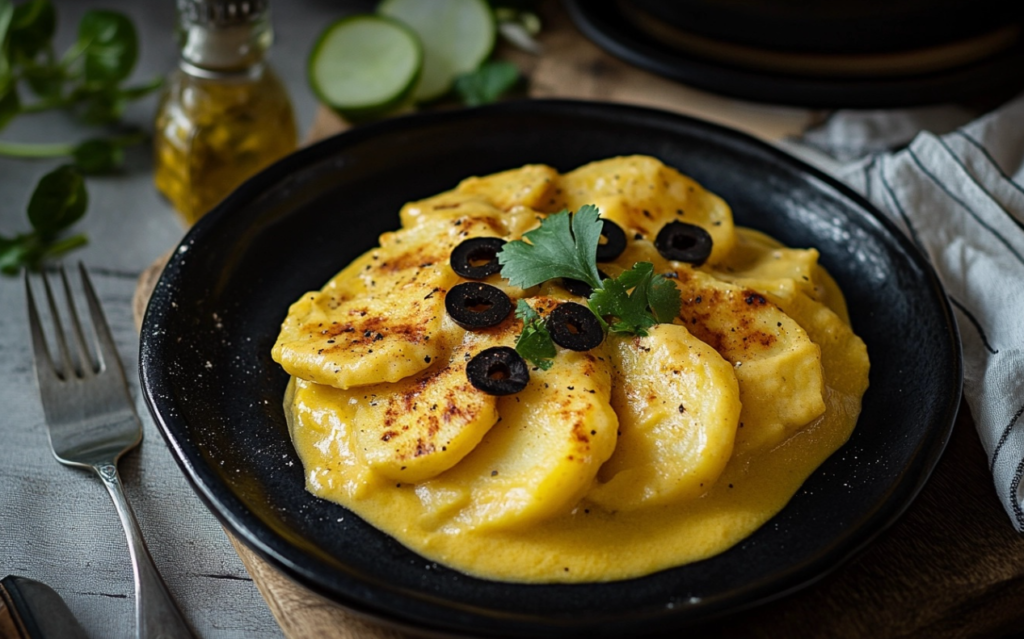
(842, 53)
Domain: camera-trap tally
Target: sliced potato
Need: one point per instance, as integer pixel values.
(531, 186)
(678, 404)
(423, 425)
(321, 429)
(776, 363)
(642, 195)
(379, 319)
(760, 257)
(541, 456)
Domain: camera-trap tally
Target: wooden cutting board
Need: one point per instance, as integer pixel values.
(951, 567)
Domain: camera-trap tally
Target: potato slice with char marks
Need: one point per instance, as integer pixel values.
(449, 206)
(840, 347)
(678, 404)
(541, 456)
(423, 425)
(642, 195)
(378, 320)
(777, 365)
(532, 186)
(502, 196)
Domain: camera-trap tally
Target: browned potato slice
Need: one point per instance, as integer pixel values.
(379, 319)
(423, 425)
(532, 186)
(642, 195)
(494, 196)
(541, 456)
(678, 404)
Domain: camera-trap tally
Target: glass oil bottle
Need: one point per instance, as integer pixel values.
(224, 114)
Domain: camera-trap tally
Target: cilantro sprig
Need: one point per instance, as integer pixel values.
(565, 245)
(87, 80)
(534, 343)
(653, 300)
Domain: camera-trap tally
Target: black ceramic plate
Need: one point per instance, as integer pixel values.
(991, 77)
(216, 394)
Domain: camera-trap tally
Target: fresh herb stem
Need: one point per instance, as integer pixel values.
(33, 150)
(87, 80)
(60, 247)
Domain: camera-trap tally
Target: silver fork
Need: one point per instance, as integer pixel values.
(92, 422)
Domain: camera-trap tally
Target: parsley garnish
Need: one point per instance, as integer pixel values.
(534, 342)
(565, 245)
(654, 299)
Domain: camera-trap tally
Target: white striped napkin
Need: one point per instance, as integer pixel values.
(960, 198)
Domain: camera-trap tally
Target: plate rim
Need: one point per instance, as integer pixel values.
(985, 77)
(257, 536)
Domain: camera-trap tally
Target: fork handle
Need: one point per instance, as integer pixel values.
(156, 615)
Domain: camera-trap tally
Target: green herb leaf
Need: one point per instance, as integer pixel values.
(636, 300)
(33, 24)
(110, 46)
(663, 299)
(98, 156)
(563, 246)
(58, 202)
(60, 247)
(534, 343)
(10, 105)
(46, 81)
(486, 83)
(628, 310)
(105, 106)
(6, 17)
(14, 253)
(141, 90)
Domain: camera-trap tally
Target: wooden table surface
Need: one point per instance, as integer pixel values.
(952, 566)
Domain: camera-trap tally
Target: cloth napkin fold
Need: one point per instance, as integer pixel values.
(960, 198)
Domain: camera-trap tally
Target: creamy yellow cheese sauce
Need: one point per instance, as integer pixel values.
(640, 455)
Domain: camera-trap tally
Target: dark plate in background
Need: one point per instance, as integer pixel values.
(989, 78)
(216, 394)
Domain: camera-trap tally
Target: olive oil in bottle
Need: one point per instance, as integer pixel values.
(224, 114)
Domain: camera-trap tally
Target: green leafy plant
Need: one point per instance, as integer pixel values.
(534, 343)
(487, 83)
(565, 245)
(87, 81)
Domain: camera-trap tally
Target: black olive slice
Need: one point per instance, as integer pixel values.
(499, 370)
(575, 327)
(684, 243)
(476, 305)
(615, 241)
(579, 287)
(477, 257)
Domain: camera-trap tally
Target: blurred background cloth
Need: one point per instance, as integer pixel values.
(956, 189)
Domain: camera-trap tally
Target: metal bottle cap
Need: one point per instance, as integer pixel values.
(223, 36)
(221, 13)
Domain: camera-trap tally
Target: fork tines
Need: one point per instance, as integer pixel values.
(81, 364)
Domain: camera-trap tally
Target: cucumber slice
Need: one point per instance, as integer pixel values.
(457, 35)
(365, 65)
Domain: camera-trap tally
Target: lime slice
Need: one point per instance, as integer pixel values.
(365, 65)
(457, 35)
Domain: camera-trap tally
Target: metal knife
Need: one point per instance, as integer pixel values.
(32, 610)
